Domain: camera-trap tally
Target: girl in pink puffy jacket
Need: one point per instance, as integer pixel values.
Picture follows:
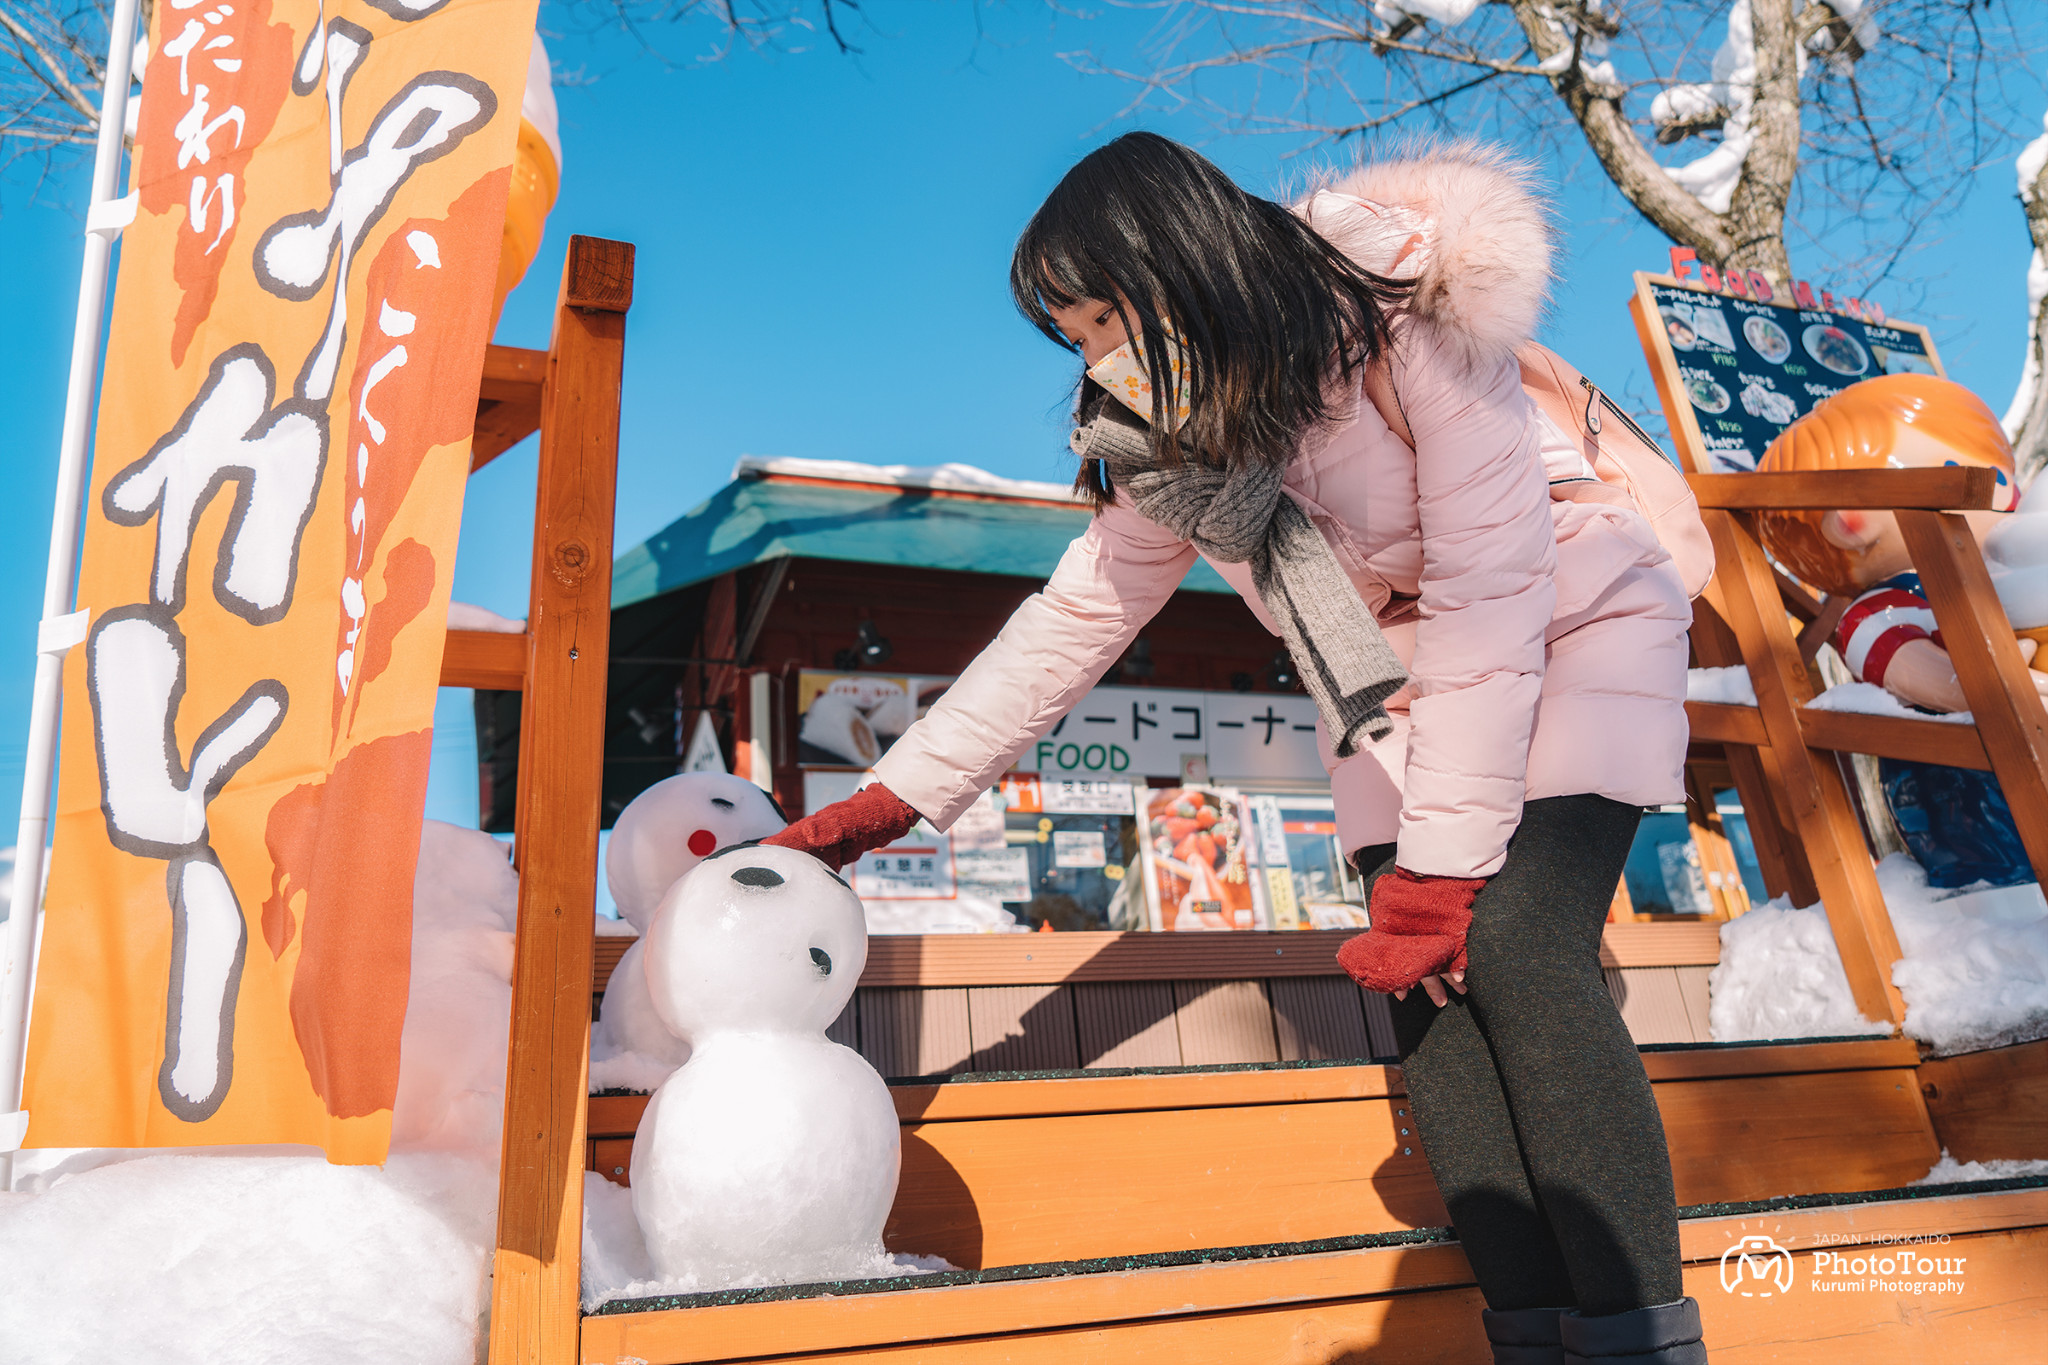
(1324, 402)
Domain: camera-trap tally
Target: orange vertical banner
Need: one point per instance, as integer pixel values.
(291, 381)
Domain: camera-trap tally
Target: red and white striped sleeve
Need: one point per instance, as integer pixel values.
(1877, 623)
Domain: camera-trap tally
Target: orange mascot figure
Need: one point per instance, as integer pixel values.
(1955, 821)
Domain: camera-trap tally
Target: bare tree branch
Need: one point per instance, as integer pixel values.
(1847, 126)
(50, 72)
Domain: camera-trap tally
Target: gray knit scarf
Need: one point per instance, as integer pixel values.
(1244, 516)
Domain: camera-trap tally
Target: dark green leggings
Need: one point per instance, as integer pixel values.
(1528, 1092)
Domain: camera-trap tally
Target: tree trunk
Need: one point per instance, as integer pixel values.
(1756, 213)
(1751, 235)
(2030, 441)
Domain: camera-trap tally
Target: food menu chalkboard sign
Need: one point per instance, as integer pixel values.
(1734, 372)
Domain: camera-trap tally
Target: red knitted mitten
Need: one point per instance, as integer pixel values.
(873, 817)
(1418, 929)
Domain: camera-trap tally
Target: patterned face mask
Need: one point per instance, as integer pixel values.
(1124, 374)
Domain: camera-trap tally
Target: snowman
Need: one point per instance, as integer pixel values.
(772, 1154)
(663, 833)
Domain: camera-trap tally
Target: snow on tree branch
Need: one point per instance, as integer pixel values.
(1849, 121)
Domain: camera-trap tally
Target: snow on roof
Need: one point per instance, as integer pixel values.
(944, 478)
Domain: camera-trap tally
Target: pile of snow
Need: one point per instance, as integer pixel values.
(1780, 976)
(1975, 966)
(1871, 700)
(225, 1259)
(257, 1255)
(1949, 1171)
(1973, 970)
(1728, 686)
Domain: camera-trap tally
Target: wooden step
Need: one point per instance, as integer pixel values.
(1412, 1301)
(1012, 1172)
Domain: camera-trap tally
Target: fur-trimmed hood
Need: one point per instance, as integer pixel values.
(1463, 222)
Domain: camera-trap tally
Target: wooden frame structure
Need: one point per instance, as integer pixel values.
(1316, 1233)
(1781, 756)
(570, 394)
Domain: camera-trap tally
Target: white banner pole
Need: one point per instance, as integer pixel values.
(62, 628)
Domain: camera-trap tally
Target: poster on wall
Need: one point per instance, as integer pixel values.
(1740, 371)
(851, 719)
(292, 369)
(1197, 860)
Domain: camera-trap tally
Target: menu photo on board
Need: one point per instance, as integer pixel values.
(1747, 370)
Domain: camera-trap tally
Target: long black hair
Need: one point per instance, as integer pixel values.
(1261, 305)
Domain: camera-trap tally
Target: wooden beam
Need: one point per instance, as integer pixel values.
(947, 960)
(1720, 723)
(507, 403)
(1722, 872)
(2011, 721)
(1956, 488)
(1827, 615)
(1823, 819)
(1778, 854)
(1049, 959)
(535, 1289)
(1917, 741)
(1991, 1105)
(492, 660)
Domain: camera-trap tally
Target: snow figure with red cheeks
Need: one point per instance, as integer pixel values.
(1955, 822)
(772, 1154)
(663, 833)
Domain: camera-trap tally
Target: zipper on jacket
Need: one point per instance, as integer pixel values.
(1594, 396)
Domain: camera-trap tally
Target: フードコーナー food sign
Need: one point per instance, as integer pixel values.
(283, 440)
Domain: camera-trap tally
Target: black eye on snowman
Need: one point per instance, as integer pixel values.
(721, 803)
(824, 961)
(762, 877)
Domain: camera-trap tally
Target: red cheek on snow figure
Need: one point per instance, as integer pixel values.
(703, 843)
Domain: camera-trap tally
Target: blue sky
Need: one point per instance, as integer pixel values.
(823, 246)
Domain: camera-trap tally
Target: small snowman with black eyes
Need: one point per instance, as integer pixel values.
(771, 1155)
(661, 834)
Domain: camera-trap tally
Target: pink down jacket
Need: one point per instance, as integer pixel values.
(1545, 637)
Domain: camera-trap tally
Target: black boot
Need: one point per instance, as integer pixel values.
(1524, 1336)
(1666, 1334)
